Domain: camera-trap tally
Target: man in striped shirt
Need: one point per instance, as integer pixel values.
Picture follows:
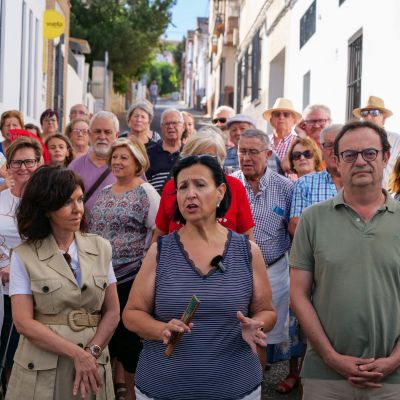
(164, 154)
(318, 186)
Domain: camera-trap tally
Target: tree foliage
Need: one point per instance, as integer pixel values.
(128, 29)
(165, 74)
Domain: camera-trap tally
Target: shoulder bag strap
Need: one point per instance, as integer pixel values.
(95, 185)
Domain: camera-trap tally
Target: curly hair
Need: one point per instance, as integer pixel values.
(48, 189)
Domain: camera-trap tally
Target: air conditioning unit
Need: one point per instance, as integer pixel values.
(235, 39)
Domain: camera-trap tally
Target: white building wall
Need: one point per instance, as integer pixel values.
(325, 55)
(21, 58)
(74, 88)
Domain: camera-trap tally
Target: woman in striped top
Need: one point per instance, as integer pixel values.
(216, 356)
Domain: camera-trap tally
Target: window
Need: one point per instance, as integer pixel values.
(308, 23)
(239, 85)
(341, 2)
(256, 67)
(247, 73)
(354, 75)
(306, 89)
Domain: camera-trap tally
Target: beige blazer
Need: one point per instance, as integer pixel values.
(55, 290)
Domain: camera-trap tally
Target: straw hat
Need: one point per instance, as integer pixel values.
(373, 103)
(281, 104)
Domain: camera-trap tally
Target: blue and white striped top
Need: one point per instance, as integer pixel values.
(212, 362)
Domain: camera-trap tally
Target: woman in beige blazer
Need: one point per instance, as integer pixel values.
(63, 295)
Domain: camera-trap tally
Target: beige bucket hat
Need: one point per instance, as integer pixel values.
(373, 103)
(281, 104)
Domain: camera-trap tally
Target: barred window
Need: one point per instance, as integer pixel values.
(308, 23)
(354, 70)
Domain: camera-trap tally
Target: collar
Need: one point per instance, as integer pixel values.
(48, 246)
(288, 137)
(389, 205)
(262, 184)
(160, 148)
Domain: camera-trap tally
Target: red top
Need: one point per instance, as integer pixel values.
(238, 217)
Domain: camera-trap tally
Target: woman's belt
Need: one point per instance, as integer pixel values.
(77, 320)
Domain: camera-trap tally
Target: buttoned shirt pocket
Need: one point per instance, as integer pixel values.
(101, 284)
(46, 294)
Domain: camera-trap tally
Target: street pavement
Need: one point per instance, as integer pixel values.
(280, 370)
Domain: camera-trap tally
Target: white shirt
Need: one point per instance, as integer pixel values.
(394, 140)
(21, 284)
(9, 236)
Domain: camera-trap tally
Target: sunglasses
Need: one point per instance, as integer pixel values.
(296, 155)
(221, 120)
(277, 114)
(372, 112)
(350, 156)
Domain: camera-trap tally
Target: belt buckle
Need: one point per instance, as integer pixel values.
(71, 320)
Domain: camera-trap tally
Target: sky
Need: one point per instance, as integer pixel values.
(184, 15)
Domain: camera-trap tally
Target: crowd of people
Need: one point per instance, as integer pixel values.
(287, 241)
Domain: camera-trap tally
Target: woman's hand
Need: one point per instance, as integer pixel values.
(87, 378)
(252, 332)
(10, 182)
(175, 325)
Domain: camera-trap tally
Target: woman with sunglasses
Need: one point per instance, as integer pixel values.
(238, 217)
(304, 156)
(216, 356)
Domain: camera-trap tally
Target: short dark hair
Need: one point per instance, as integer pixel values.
(350, 126)
(48, 189)
(219, 177)
(48, 114)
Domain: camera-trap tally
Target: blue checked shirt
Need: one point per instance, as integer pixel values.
(270, 208)
(311, 189)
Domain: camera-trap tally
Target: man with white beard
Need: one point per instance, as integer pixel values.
(92, 167)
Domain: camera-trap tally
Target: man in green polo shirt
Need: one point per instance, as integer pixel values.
(345, 277)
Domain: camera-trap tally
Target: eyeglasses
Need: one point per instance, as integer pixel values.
(172, 123)
(250, 152)
(327, 145)
(80, 131)
(197, 156)
(78, 112)
(29, 163)
(296, 155)
(277, 114)
(372, 112)
(350, 156)
(221, 120)
(316, 121)
(48, 120)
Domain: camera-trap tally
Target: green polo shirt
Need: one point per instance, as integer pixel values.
(356, 268)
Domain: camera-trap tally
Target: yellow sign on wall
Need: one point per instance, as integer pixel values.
(53, 24)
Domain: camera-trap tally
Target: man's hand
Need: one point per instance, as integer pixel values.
(356, 371)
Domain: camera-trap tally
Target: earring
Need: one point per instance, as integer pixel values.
(218, 204)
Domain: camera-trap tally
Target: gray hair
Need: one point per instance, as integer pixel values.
(144, 105)
(313, 107)
(205, 138)
(225, 108)
(331, 128)
(257, 134)
(170, 111)
(105, 115)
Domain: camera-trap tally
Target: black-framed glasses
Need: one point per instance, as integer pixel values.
(277, 114)
(372, 111)
(350, 156)
(197, 156)
(29, 163)
(250, 152)
(308, 154)
(221, 120)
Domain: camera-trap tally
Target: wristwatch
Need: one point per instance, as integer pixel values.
(95, 350)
